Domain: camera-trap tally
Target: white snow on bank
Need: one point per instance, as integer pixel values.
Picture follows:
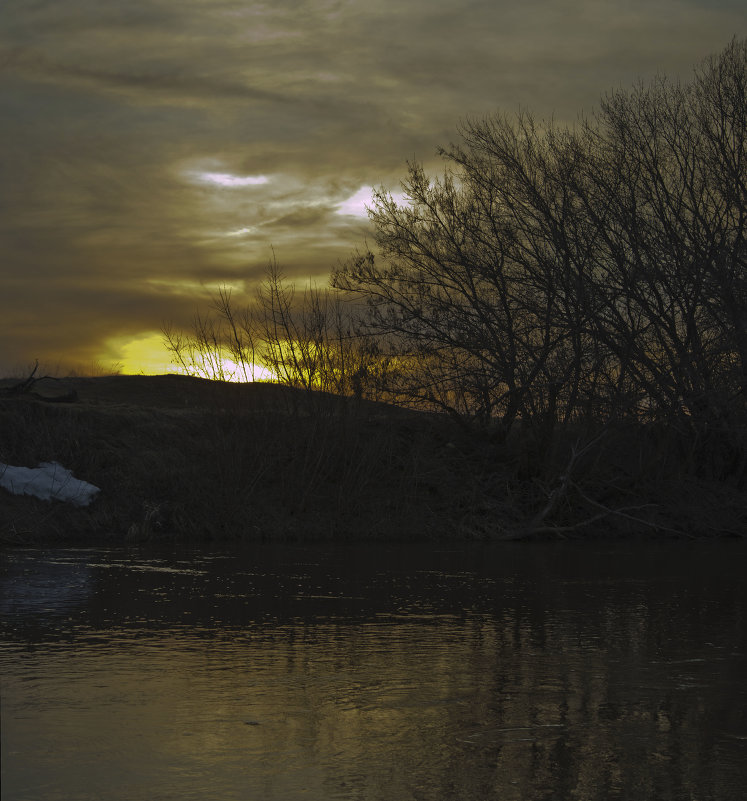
(49, 481)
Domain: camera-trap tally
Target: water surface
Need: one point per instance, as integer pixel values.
(394, 673)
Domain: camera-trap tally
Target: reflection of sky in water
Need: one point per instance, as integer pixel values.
(45, 587)
(147, 567)
(385, 674)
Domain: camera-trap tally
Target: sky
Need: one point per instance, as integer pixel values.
(152, 151)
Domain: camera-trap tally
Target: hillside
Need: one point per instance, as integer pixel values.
(184, 459)
(157, 392)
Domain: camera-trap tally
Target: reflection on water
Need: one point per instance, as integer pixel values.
(518, 672)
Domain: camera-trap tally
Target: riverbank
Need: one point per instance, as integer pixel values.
(178, 458)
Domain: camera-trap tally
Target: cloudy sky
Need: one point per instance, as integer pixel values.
(152, 150)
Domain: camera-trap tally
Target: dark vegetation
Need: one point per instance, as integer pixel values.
(187, 458)
(551, 340)
(184, 458)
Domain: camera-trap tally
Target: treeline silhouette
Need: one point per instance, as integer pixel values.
(575, 294)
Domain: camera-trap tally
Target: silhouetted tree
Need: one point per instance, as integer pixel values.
(559, 272)
(303, 339)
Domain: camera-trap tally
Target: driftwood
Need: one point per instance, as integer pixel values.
(26, 388)
(68, 397)
(538, 525)
(22, 386)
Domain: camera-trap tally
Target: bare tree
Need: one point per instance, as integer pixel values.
(557, 272)
(663, 188)
(474, 287)
(221, 345)
(306, 339)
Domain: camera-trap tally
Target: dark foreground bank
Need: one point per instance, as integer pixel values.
(185, 459)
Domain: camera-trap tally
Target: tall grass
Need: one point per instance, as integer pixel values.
(315, 466)
(303, 471)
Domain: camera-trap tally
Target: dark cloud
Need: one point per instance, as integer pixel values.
(113, 114)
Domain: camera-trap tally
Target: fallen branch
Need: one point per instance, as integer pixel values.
(25, 387)
(68, 397)
(534, 526)
(623, 512)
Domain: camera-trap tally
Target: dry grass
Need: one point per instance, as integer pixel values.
(184, 458)
(181, 458)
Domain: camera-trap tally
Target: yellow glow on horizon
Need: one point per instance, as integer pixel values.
(144, 355)
(238, 374)
(147, 355)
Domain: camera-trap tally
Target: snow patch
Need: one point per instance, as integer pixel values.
(49, 481)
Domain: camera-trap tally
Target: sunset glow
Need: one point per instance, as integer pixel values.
(147, 355)
(182, 144)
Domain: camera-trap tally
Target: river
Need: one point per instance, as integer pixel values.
(401, 673)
